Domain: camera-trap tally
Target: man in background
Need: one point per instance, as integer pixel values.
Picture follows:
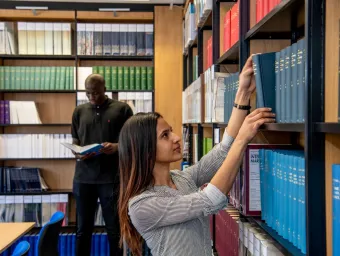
(96, 176)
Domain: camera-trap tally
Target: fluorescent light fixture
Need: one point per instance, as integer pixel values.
(31, 7)
(114, 9)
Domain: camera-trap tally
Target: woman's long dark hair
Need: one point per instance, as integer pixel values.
(137, 156)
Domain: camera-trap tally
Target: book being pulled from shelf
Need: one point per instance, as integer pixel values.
(28, 146)
(280, 82)
(19, 112)
(83, 150)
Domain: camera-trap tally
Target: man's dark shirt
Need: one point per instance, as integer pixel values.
(99, 124)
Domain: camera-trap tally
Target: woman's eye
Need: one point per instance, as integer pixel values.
(165, 135)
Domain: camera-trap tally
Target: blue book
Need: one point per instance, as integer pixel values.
(277, 87)
(264, 71)
(335, 207)
(262, 160)
(93, 148)
(288, 95)
(69, 244)
(300, 82)
(73, 244)
(97, 248)
(294, 78)
(103, 244)
(283, 85)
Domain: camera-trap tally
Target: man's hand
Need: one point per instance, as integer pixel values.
(109, 148)
(83, 157)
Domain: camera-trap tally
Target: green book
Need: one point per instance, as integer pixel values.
(47, 78)
(23, 78)
(17, 78)
(32, 78)
(138, 78)
(132, 81)
(114, 78)
(71, 78)
(53, 78)
(95, 70)
(13, 80)
(67, 78)
(2, 77)
(143, 79)
(27, 78)
(62, 78)
(42, 78)
(120, 78)
(107, 77)
(150, 78)
(37, 78)
(57, 78)
(126, 78)
(7, 77)
(101, 71)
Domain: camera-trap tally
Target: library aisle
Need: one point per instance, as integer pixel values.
(181, 58)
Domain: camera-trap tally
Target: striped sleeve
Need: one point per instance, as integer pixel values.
(203, 171)
(148, 213)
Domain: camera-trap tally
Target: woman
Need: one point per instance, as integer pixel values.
(168, 208)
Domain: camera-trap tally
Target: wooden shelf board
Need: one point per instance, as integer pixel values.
(39, 125)
(38, 57)
(40, 159)
(282, 127)
(47, 192)
(232, 55)
(41, 15)
(114, 57)
(327, 128)
(38, 91)
(277, 21)
(145, 17)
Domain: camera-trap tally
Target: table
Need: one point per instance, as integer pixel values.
(10, 232)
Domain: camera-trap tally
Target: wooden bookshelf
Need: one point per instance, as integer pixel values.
(40, 15)
(109, 16)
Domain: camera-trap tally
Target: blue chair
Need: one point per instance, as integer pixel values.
(47, 244)
(21, 249)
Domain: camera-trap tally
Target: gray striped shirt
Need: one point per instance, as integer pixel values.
(175, 222)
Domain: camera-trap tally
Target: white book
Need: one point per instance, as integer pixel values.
(89, 27)
(40, 38)
(31, 39)
(49, 38)
(22, 37)
(2, 38)
(66, 38)
(83, 73)
(57, 39)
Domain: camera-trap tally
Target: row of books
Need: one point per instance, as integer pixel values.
(8, 38)
(263, 7)
(67, 244)
(254, 241)
(283, 200)
(18, 112)
(36, 78)
(219, 94)
(227, 232)
(336, 208)
(21, 179)
(38, 38)
(120, 77)
(192, 98)
(231, 27)
(286, 70)
(34, 146)
(36, 208)
(139, 101)
(115, 39)
(202, 10)
(190, 31)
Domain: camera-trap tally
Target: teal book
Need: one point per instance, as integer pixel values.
(288, 95)
(282, 86)
(264, 71)
(277, 86)
(294, 87)
(300, 81)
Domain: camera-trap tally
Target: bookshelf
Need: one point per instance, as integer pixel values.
(285, 24)
(55, 105)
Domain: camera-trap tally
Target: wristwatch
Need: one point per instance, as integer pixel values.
(242, 107)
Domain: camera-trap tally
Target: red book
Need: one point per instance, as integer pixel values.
(259, 10)
(227, 31)
(272, 4)
(266, 7)
(233, 25)
(237, 31)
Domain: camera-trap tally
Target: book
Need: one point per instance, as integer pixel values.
(92, 148)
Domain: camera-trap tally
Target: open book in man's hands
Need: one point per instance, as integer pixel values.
(92, 148)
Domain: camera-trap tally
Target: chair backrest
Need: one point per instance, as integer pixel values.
(21, 249)
(47, 244)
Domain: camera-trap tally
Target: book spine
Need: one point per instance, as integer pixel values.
(138, 78)
(123, 39)
(140, 39)
(149, 40)
(120, 78)
(132, 39)
(107, 77)
(143, 78)
(115, 39)
(81, 39)
(89, 30)
(150, 78)
(107, 44)
(98, 39)
(114, 78)
(132, 79)
(126, 78)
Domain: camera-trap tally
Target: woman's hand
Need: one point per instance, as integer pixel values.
(253, 122)
(246, 81)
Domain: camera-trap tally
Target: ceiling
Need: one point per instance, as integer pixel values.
(113, 1)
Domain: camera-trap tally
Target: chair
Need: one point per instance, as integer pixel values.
(21, 249)
(47, 244)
